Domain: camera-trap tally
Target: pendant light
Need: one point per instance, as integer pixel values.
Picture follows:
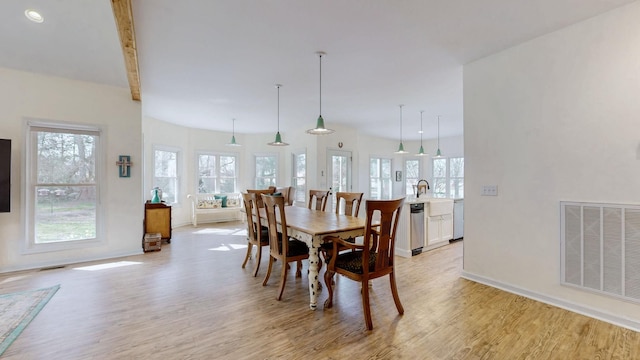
(233, 136)
(278, 140)
(320, 129)
(438, 153)
(421, 151)
(401, 147)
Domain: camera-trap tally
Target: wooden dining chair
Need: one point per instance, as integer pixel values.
(281, 246)
(320, 197)
(258, 192)
(352, 201)
(369, 261)
(256, 234)
(289, 194)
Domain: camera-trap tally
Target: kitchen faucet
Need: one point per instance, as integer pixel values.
(417, 187)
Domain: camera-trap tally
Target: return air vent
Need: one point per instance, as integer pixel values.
(600, 246)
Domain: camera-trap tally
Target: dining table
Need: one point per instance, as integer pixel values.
(311, 227)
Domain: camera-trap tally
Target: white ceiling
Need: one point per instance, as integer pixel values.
(204, 62)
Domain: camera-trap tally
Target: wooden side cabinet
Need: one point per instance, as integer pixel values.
(157, 219)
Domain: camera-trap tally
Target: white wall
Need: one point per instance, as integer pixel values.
(189, 141)
(552, 119)
(26, 95)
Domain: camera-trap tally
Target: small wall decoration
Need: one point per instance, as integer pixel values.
(398, 175)
(124, 162)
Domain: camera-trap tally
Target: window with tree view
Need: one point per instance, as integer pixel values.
(448, 177)
(412, 174)
(63, 184)
(266, 169)
(166, 174)
(380, 181)
(217, 173)
(299, 171)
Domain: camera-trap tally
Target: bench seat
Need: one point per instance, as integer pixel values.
(215, 207)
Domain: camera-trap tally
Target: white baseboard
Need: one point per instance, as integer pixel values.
(69, 261)
(403, 252)
(563, 304)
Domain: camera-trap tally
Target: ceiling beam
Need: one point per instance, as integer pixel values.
(124, 22)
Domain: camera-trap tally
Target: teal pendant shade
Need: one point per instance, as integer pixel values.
(233, 136)
(421, 151)
(320, 129)
(438, 153)
(401, 149)
(278, 141)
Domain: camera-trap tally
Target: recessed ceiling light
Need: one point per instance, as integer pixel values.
(33, 16)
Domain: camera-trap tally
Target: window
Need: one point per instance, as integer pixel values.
(165, 172)
(448, 177)
(380, 181)
(266, 170)
(411, 174)
(299, 171)
(62, 184)
(217, 173)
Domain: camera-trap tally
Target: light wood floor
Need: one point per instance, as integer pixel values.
(193, 301)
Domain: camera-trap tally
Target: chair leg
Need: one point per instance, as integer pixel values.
(266, 277)
(328, 280)
(258, 259)
(394, 292)
(365, 304)
(299, 269)
(246, 258)
(283, 280)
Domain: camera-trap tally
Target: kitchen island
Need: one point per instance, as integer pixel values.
(435, 225)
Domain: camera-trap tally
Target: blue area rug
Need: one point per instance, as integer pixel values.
(18, 309)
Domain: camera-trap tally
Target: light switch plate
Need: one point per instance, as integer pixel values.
(489, 190)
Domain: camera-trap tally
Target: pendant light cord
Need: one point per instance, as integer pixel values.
(438, 132)
(401, 123)
(320, 84)
(421, 131)
(278, 86)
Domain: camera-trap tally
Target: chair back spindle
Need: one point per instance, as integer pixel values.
(351, 202)
(320, 197)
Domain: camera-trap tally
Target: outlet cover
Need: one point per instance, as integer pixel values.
(489, 190)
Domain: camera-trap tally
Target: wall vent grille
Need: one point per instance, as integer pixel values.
(600, 248)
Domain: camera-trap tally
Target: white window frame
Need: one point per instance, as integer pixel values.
(447, 178)
(217, 176)
(255, 170)
(301, 191)
(408, 182)
(177, 179)
(380, 178)
(30, 176)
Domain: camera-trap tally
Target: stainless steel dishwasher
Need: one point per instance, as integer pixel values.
(417, 228)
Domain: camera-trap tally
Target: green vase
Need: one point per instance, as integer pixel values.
(156, 196)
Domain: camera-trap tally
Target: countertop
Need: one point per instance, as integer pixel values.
(411, 199)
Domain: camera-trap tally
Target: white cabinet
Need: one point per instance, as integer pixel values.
(439, 222)
(446, 227)
(440, 228)
(433, 230)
